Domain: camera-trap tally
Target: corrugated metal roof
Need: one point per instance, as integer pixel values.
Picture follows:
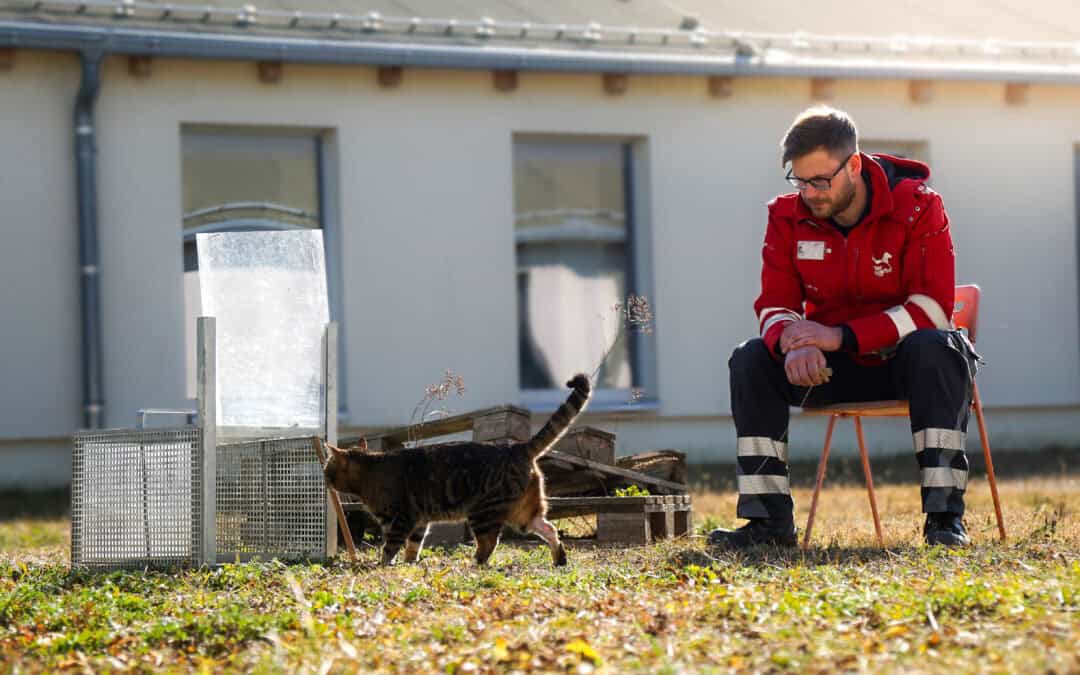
(1003, 20)
(984, 36)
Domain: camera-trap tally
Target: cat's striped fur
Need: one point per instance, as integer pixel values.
(487, 484)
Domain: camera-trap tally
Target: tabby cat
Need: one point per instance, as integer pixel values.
(487, 484)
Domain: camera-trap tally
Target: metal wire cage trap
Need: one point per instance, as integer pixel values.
(199, 494)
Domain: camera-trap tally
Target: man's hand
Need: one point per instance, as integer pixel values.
(805, 333)
(805, 366)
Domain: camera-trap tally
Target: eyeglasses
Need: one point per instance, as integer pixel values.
(818, 182)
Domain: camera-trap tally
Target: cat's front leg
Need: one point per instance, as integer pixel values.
(415, 543)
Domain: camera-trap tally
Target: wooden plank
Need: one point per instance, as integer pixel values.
(335, 502)
(588, 443)
(570, 510)
(662, 524)
(658, 483)
(641, 502)
(684, 523)
(566, 510)
(566, 507)
(577, 482)
(554, 463)
(638, 502)
(622, 528)
(507, 423)
(441, 427)
(669, 464)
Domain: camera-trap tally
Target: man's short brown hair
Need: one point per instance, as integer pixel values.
(820, 127)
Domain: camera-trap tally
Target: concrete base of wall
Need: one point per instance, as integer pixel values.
(713, 439)
(35, 464)
(46, 463)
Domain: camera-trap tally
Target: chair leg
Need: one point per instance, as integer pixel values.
(989, 462)
(869, 480)
(820, 479)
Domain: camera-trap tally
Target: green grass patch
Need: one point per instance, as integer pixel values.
(673, 607)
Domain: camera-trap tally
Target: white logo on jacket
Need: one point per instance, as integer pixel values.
(881, 265)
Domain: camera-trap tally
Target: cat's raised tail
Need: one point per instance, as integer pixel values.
(559, 423)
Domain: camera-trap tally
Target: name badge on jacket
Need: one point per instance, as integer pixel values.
(810, 250)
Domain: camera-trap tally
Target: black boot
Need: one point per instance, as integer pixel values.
(946, 529)
(757, 531)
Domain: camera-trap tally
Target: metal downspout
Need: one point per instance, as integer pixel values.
(86, 180)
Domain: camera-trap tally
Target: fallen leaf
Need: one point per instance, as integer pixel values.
(582, 648)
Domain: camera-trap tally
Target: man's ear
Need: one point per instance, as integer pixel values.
(856, 163)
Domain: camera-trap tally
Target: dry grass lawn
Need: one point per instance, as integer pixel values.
(676, 607)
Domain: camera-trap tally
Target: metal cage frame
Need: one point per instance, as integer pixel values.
(200, 494)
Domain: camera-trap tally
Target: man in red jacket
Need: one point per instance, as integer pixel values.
(858, 277)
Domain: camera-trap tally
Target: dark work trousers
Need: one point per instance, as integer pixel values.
(932, 369)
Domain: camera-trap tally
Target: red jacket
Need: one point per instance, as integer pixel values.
(893, 274)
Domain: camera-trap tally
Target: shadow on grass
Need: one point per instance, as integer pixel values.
(784, 557)
(35, 504)
(902, 468)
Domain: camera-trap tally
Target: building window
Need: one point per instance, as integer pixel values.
(575, 233)
(235, 180)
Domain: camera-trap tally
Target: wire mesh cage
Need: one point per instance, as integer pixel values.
(136, 498)
(243, 478)
(271, 500)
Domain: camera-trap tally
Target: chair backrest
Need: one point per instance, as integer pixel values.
(966, 309)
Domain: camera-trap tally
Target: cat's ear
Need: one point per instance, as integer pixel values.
(362, 443)
(333, 451)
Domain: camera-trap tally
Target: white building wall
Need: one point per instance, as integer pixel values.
(424, 201)
(40, 392)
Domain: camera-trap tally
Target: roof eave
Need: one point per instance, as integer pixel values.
(186, 44)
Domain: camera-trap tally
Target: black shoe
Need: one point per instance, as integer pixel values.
(757, 531)
(946, 529)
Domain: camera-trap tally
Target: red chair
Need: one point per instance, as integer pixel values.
(965, 316)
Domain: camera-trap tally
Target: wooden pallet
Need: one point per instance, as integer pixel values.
(630, 520)
(583, 454)
(627, 521)
(499, 423)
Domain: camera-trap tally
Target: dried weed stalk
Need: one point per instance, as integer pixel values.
(633, 316)
(438, 391)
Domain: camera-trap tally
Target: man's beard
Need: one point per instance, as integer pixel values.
(828, 209)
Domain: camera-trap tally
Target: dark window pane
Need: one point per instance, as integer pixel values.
(572, 260)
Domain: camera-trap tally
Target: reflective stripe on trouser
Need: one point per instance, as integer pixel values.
(764, 490)
(944, 469)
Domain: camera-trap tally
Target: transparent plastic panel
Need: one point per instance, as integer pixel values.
(268, 293)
